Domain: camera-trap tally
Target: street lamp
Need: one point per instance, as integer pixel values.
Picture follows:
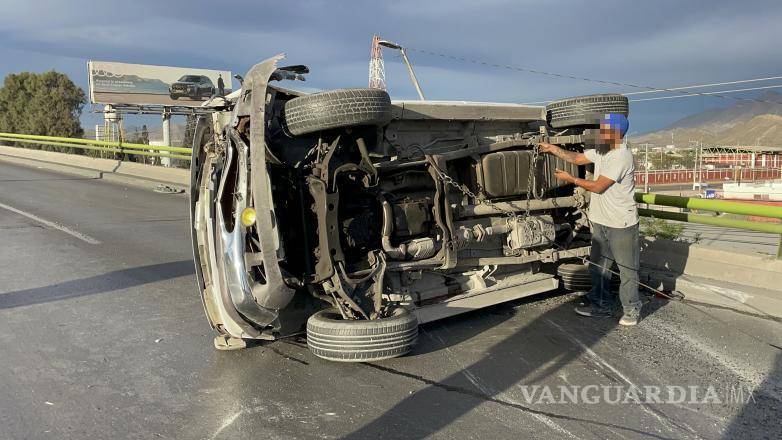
(392, 45)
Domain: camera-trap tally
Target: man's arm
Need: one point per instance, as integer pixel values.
(596, 186)
(568, 156)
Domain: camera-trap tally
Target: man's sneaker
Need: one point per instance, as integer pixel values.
(630, 317)
(592, 311)
(583, 301)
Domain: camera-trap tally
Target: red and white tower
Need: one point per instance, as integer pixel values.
(377, 70)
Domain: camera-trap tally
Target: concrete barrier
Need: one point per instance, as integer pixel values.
(746, 282)
(678, 258)
(108, 169)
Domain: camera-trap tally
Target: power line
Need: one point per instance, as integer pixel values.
(580, 78)
(698, 86)
(707, 93)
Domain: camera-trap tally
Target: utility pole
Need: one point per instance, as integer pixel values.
(694, 163)
(412, 74)
(646, 167)
(694, 167)
(700, 163)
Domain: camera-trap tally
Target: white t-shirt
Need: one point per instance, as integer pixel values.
(616, 207)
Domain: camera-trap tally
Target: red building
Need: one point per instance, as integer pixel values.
(720, 164)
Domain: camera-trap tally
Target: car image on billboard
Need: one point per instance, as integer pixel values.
(139, 84)
(194, 87)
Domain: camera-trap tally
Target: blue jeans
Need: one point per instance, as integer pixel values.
(618, 245)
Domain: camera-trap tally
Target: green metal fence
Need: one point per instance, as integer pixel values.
(107, 146)
(722, 206)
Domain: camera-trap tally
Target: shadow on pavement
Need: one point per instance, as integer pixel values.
(466, 326)
(517, 359)
(115, 280)
(663, 262)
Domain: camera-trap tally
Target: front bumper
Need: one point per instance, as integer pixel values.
(236, 304)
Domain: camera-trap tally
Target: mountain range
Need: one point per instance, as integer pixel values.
(743, 123)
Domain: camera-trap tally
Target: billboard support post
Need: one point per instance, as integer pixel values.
(166, 127)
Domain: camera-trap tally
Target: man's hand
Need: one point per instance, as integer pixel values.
(564, 175)
(568, 156)
(598, 186)
(545, 147)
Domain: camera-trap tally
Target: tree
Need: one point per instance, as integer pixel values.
(138, 137)
(47, 104)
(190, 126)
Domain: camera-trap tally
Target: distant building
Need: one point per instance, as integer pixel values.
(737, 164)
(758, 157)
(763, 191)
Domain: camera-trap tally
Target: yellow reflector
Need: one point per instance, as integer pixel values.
(248, 217)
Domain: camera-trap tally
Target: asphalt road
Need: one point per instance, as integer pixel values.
(103, 337)
(729, 239)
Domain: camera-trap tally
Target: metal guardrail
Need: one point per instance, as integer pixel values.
(771, 228)
(751, 209)
(711, 205)
(107, 146)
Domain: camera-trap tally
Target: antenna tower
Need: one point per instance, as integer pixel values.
(377, 70)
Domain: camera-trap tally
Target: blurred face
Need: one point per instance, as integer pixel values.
(608, 138)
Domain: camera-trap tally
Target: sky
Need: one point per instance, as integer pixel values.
(653, 43)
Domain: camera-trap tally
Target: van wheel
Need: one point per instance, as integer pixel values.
(336, 339)
(337, 108)
(584, 110)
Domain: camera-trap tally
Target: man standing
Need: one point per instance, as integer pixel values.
(220, 86)
(614, 217)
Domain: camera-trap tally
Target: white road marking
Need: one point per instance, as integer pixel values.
(228, 421)
(51, 224)
(590, 353)
(734, 295)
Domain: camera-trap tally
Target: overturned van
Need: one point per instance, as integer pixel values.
(358, 218)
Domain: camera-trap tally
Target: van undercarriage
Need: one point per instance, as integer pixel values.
(363, 217)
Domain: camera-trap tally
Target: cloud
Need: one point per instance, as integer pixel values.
(661, 43)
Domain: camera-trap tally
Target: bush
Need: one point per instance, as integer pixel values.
(661, 228)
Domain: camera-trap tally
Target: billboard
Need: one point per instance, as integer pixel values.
(140, 84)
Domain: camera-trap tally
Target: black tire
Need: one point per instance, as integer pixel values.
(573, 269)
(174, 97)
(584, 110)
(576, 277)
(337, 108)
(333, 338)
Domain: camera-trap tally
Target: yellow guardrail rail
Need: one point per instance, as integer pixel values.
(88, 144)
(724, 206)
(716, 205)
